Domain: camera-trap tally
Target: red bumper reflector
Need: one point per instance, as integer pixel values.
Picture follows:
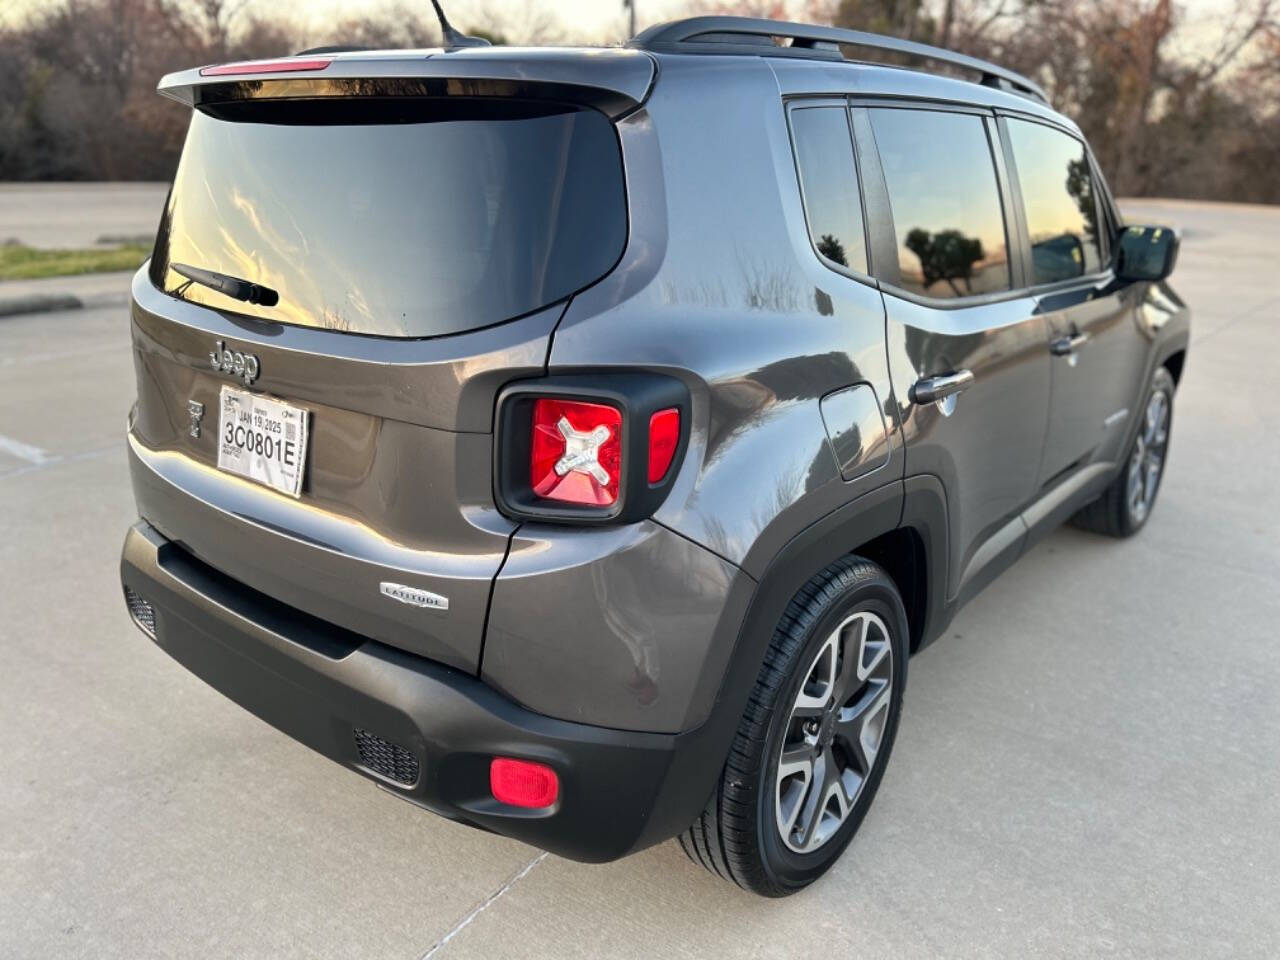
(523, 783)
(576, 452)
(264, 66)
(664, 437)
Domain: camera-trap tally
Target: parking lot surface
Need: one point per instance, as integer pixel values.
(71, 215)
(1088, 764)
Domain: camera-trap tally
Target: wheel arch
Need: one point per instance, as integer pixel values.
(909, 543)
(904, 523)
(872, 516)
(697, 767)
(901, 554)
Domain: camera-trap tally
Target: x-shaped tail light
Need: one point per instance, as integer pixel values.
(589, 448)
(576, 451)
(582, 451)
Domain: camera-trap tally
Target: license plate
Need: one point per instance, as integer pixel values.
(262, 440)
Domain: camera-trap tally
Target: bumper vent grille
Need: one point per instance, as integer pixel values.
(386, 758)
(144, 615)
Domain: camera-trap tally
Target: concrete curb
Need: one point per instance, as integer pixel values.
(52, 302)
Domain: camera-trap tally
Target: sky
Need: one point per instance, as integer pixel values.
(1199, 32)
(603, 19)
(600, 16)
(592, 16)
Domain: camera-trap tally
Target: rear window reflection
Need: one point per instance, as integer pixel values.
(404, 219)
(945, 201)
(1058, 195)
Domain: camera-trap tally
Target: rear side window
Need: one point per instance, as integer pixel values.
(399, 217)
(945, 201)
(1059, 197)
(829, 184)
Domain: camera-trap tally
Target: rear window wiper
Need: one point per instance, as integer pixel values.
(233, 287)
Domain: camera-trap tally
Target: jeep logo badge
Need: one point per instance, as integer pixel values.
(413, 596)
(242, 365)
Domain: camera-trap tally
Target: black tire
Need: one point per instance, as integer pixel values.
(738, 836)
(1114, 514)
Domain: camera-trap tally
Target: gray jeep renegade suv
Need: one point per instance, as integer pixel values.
(577, 443)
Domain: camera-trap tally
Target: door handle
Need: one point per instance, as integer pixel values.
(1065, 346)
(933, 389)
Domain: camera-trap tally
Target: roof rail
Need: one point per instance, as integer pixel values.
(749, 35)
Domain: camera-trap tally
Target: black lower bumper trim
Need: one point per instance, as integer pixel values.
(619, 790)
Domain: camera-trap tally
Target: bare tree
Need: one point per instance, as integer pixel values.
(399, 25)
(219, 16)
(528, 23)
(79, 75)
(766, 9)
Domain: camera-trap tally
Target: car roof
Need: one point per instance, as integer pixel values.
(875, 80)
(629, 72)
(815, 58)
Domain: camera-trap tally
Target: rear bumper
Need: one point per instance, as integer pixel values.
(619, 790)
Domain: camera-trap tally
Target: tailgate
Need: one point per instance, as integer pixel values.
(418, 238)
(398, 480)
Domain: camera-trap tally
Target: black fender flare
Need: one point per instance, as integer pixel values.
(1169, 346)
(924, 511)
(700, 754)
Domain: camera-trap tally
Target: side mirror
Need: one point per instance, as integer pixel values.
(1146, 253)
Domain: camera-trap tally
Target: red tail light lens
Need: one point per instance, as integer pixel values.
(523, 783)
(664, 437)
(264, 66)
(576, 452)
(588, 448)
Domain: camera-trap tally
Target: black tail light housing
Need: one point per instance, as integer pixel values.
(603, 423)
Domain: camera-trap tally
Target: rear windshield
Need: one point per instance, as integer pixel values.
(398, 218)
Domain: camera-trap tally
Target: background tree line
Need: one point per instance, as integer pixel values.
(1168, 112)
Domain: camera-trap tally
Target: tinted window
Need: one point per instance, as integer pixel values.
(1057, 192)
(402, 217)
(945, 201)
(829, 179)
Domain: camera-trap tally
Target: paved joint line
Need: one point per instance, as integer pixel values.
(54, 460)
(483, 906)
(25, 451)
(28, 359)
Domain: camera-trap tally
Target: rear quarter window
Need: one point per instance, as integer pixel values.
(829, 185)
(947, 215)
(399, 217)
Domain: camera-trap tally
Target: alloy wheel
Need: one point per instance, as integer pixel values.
(1148, 457)
(834, 732)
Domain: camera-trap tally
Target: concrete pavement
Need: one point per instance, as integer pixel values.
(49, 294)
(1087, 765)
(72, 216)
(79, 214)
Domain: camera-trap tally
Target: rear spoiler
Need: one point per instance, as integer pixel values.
(614, 81)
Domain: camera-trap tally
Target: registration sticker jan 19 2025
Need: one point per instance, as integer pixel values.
(262, 439)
